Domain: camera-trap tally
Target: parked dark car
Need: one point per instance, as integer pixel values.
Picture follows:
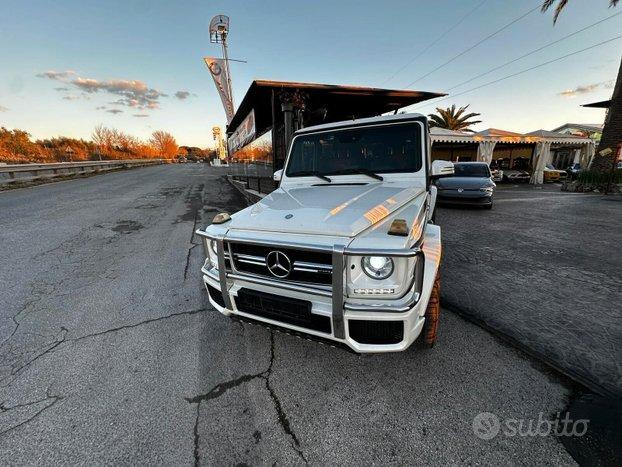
(573, 170)
(471, 184)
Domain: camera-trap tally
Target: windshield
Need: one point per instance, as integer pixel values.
(471, 170)
(376, 149)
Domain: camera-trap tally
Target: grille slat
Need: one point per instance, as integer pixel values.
(311, 267)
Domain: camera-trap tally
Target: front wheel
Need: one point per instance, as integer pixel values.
(427, 339)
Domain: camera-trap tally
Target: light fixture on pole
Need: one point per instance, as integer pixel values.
(218, 32)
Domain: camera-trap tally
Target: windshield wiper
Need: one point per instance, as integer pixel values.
(361, 171)
(314, 173)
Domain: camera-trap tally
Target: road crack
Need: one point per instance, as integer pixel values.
(59, 342)
(221, 388)
(48, 397)
(188, 260)
(135, 325)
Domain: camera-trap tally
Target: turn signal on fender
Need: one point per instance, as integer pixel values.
(399, 227)
(221, 218)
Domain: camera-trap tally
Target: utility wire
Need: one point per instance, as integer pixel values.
(434, 42)
(489, 36)
(526, 70)
(534, 51)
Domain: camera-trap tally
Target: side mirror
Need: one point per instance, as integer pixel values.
(277, 175)
(442, 169)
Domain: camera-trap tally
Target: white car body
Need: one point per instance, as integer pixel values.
(339, 222)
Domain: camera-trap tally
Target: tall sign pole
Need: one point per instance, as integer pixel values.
(219, 67)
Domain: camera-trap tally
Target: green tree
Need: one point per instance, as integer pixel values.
(453, 119)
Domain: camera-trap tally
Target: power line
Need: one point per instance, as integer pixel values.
(526, 70)
(429, 46)
(534, 51)
(489, 36)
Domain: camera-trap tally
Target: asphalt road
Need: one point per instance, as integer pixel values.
(110, 352)
(545, 268)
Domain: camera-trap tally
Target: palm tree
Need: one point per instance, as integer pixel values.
(612, 130)
(453, 119)
(561, 4)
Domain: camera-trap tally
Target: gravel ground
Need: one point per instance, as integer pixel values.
(110, 352)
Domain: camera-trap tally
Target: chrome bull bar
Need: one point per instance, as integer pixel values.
(339, 253)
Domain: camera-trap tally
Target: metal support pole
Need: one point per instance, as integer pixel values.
(288, 117)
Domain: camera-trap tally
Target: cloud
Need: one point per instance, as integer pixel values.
(586, 89)
(131, 93)
(114, 111)
(101, 107)
(61, 89)
(3, 109)
(181, 95)
(140, 115)
(57, 75)
(71, 97)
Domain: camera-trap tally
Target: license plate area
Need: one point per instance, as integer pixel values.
(284, 309)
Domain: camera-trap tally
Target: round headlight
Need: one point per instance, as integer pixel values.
(377, 267)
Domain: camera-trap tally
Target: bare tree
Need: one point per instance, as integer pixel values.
(164, 143)
(101, 139)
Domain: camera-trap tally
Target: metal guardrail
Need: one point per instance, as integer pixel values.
(257, 175)
(16, 173)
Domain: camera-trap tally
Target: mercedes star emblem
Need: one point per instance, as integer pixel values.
(278, 264)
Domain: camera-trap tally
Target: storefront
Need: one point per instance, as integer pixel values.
(508, 150)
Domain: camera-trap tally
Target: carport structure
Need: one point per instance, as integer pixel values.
(531, 151)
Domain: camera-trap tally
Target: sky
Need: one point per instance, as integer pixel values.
(136, 65)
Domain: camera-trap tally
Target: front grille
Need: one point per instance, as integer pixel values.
(314, 267)
(376, 332)
(284, 309)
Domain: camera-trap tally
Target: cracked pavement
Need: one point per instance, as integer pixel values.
(111, 354)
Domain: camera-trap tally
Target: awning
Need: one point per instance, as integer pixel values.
(599, 105)
(339, 102)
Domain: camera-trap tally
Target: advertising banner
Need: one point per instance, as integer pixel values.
(218, 70)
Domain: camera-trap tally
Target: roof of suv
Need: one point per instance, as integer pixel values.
(361, 122)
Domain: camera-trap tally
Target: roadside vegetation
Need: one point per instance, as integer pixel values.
(17, 147)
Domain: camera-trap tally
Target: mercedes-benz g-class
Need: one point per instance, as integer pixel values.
(346, 248)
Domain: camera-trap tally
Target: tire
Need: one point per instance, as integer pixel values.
(488, 206)
(427, 339)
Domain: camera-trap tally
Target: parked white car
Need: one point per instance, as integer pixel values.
(346, 248)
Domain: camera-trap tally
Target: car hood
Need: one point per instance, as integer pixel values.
(466, 183)
(338, 210)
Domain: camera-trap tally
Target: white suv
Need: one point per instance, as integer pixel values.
(345, 249)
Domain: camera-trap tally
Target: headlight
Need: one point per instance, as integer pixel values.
(377, 267)
(488, 189)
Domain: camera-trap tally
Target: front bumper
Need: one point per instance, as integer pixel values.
(346, 316)
(466, 198)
